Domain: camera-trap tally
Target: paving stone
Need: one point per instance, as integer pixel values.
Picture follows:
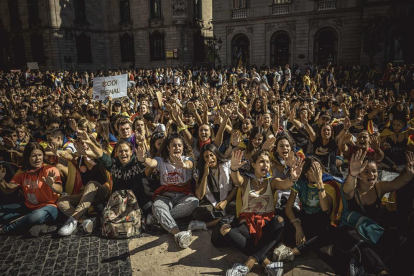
(69, 256)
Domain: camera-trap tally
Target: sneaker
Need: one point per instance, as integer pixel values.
(88, 225)
(283, 254)
(69, 227)
(274, 269)
(183, 238)
(238, 270)
(151, 219)
(197, 225)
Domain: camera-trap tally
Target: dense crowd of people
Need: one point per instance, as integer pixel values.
(314, 158)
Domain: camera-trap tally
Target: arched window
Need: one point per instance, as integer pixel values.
(127, 48)
(280, 48)
(240, 50)
(38, 52)
(157, 47)
(325, 46)
(18, 51)
(83, 48)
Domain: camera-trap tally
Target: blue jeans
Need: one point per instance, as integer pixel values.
(28, 217)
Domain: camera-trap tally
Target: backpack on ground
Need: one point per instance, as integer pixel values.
(121, 218)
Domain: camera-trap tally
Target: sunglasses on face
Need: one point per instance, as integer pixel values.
(159, 135)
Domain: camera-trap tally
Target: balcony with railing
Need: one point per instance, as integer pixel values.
(280, 9)
(324, 5)
(238, 13)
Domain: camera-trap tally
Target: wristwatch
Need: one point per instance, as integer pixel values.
(321, 190)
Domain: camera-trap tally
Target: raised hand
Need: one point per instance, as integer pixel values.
(73, 125)
(236, 160)
(53, 148)
(296, 169)
(347, 138)
(140, 154)
(50, 179)
(375, 142)
(290, 159)
(357, 164)
(269, 144)
(316, 171)
(410, 163)
(178, 162)
(236, 139)
(9, 142)
(347, 123)
(139, 138)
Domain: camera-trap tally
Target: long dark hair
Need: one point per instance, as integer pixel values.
(201, 162)
(28, 149)
(284, 136)
(255, 130)
(165, 154)
(155, 136)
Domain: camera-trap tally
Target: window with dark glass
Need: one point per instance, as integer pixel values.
(157, 48)
(155, 7)
(80, 11)
(124, 9)
(38, 52)
(33, 11)
(239, 4)
(127, 48)
(83, 48)
(198, 14)
(15, 22)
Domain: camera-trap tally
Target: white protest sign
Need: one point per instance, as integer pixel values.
(114, 86)
(33, 65)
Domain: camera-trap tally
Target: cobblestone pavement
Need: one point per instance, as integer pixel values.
(75, 255)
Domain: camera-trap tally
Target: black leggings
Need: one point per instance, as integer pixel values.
(240, 238)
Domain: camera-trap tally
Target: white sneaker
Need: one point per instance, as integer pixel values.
(274, 269)
(88, 225)
(197, 225)
(69, 227)
(151, 219)
(183, 238)
(283, 254)
(238, 270)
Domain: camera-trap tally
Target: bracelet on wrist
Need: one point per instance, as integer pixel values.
(296, 220)
(352, 175)
(321, 190)
(231, 169)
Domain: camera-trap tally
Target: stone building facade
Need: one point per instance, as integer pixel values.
(103, 34)
(276, 32)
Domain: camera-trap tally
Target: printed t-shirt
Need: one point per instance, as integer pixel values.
(170, 175)
(308, 195)
(36, 192)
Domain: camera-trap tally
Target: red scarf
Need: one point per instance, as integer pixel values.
(255, 223)
(201, 144)
(186, 189)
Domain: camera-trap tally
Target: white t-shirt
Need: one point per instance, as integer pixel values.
(170, 175)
